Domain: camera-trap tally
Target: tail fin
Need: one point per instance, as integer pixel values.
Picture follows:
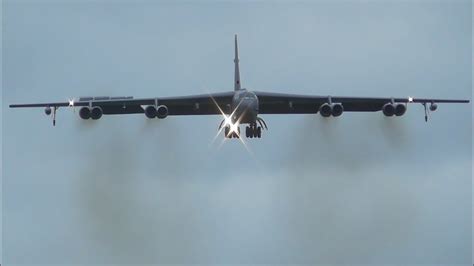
(236, 63)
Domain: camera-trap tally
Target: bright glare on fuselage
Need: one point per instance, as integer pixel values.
(234, 127)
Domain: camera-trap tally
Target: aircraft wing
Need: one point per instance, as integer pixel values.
(204, 104)
(279, 103)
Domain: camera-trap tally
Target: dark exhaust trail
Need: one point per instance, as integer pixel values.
(338, 195)
(123, 207)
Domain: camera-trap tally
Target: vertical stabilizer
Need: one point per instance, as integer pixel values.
(237, 71)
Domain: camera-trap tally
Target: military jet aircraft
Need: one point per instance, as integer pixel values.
(241, 106)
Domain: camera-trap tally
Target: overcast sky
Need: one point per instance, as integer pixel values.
(361, 188)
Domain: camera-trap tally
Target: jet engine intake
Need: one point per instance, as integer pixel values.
(150, 111)
(388, 109)
(325, 110)
(85, 113)
(96, 112)
(337, 109)
(400, 109)
(162, 111)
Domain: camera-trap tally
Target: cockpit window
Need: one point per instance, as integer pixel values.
(244, 94)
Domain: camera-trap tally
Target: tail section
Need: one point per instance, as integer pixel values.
(236, 63)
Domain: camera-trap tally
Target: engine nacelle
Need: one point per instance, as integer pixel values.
(325, 110)
(85, 113)
(433, 107)
(388, 109)
(337, 109)
(400, 109)
(96, 112)
(150, 111)
(162, 111)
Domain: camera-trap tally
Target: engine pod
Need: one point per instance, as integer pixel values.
(337, 109)
(96, 112)
(162, 111)
(388, 109)
(150, 111)
(325, 110)
(85, 113)
(400, 109)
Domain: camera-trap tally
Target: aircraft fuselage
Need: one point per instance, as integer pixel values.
(244, 107)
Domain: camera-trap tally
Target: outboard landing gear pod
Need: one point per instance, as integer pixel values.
(48, 111)
(433, 107)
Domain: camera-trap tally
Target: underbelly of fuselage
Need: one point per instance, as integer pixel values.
(245, 113)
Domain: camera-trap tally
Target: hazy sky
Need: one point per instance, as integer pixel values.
(358, 189)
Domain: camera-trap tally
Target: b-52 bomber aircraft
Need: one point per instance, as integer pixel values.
(241, 106)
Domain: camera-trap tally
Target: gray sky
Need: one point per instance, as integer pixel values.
(358, 189)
